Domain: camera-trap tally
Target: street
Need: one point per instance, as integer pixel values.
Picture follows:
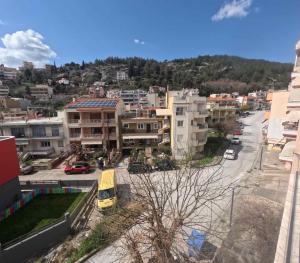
(232, 171)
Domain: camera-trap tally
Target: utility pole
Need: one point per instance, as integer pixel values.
(261, 155)
(231, 207)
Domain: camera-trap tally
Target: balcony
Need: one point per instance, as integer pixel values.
(97, 122)
(73, 123)
(139, 134)
(199, 114)
(91, 138)
(290, 130)
(46, 136)
(92, 135)
(75, 136)
(198, 127)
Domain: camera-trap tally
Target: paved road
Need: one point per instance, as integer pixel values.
(233, 171)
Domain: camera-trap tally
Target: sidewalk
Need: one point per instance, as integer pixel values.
(257, 213)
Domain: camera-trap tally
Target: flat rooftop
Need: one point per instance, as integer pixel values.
(93, 103)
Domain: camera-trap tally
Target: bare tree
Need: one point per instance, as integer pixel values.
(174, 203)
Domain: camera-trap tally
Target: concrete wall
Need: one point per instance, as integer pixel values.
(9, 192)
(10, 170)
(40, 242)
(277, 114)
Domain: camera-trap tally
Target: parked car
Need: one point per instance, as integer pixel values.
(26, 169)
(229, 154)
(235, 140)
(238, 132)
(165, 165)
(78, 168)
(137, 167)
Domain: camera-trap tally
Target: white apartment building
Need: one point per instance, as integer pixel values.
(187, 111)
(121, 75)
(4, 90)
(41, 92)
(39, 137)
(8, 73)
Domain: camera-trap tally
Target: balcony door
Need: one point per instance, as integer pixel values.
(148, 127)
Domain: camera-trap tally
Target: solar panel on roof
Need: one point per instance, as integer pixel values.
(94, 104)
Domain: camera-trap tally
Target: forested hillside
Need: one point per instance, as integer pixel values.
(211, 74)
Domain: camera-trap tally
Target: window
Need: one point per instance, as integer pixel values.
(155, 126)
(18, 132)
(179, 111)
(45, 144)
(179, 123)
(55, 130)
(141, 126)
(126, 125)
(192, 122)
(38, 131)
(60, 143)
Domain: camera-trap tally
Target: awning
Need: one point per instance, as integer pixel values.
(292, 116)
(288, 151)
(91, 142)
(22, 143)
(296, 82)
(140, 136)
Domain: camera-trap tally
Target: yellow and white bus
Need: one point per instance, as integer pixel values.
(107, 190)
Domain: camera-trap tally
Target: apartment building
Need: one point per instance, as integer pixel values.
(4, 90)
(39, 137)
(94, 123)
(142, 129)
(121, 75)
(96, 92)
(41, 92)
(188, 128)
(8, 73)
(221, 109)
(276, 117)
(9, 181)
(132, 97)
(291, 121)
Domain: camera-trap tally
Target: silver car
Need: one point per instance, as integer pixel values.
(229, 154)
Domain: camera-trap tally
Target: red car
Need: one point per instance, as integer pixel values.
(78, 168)
(237, 132)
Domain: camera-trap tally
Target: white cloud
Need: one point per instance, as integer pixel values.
(236, 8)
(25, 46)
(138, 41)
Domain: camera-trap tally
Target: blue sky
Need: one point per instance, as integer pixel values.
(65, 30)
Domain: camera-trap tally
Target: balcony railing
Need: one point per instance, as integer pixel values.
(90, 121)
(75, 135)
(92, 135)
(73, 121)
(124, 131)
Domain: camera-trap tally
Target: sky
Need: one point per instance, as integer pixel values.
(76, 30)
